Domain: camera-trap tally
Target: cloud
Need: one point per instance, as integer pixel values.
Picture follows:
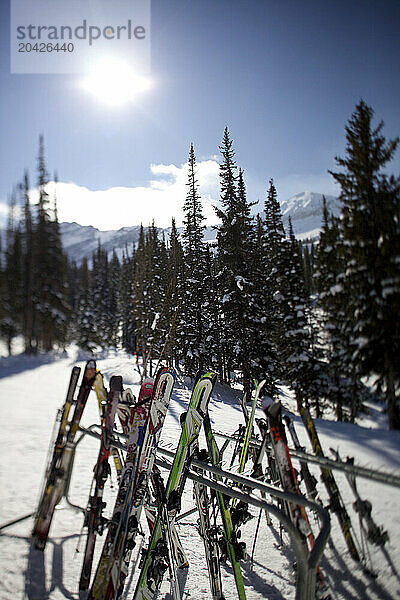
(163, 196)
(160, 200)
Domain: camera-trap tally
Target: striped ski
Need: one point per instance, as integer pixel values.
(208, 531)
(336, 501)
(56, 473)
(249, 431)
(231, 546)
(94, 519)
(148, 419)
(154, 566)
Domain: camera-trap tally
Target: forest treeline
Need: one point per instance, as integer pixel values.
(257, 302)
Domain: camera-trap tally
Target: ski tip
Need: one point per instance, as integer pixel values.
(116, 383)
(146, 389)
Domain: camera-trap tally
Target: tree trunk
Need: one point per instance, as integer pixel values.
(246, 380)
(393, 403)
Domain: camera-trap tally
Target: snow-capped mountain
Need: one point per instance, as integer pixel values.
(81, 240)
(305, 210)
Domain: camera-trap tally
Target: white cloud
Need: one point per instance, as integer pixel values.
(3, 213)
(163, 196)
(160, 200)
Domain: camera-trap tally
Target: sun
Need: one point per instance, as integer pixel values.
(115, 83)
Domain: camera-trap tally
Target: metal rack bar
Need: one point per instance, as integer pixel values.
(307, 563)
(365, 472)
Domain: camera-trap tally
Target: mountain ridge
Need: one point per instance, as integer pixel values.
(304, 209)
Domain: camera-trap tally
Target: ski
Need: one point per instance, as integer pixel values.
(288, 477)
(151, 512)
(239, 436)
(229, 543)
(249, 431)
(208, 531)
(125, 413)
(102, 399)
(287, 473)
(63, 452)
(309, 480)
(148, 418)
(94, 520)
(336, 504)
(375, 534)
(152, 572)
(167, 536)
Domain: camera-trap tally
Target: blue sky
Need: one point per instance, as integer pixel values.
(284, 76)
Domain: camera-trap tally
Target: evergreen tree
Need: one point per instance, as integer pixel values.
(235, 238)
(49, 266)
(10, 324)
(265, 361)
(139, 295)
(28, 269)
(273, 249)
(370, 249)
(327, 276)
(113, 314)
(58, 292)
(173, 311)
(100, 294)
(42, 261)
(212, 315)
(300, 367)
(193, 297)
(127, 302)
(87, 332)
(149, 293)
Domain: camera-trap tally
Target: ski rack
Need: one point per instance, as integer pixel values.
(339, 465)
(307, 563)
(71, 466)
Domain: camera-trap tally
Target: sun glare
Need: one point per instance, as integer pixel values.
(115, 83)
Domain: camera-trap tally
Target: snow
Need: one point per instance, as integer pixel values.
(33, 388)
(305, 210)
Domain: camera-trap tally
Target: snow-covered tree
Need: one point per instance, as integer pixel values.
(369, 285)
(193, 325)
(235, 243)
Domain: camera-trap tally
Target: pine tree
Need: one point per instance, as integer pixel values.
(87, 331)
(300, 367)
(49, 266)
(265, 361)
(113, 312)
(235, 238)
(149, 293)
(127, 302)
(371, 252)
(173, 311)
(139, 296)
(192, 327)
(42, 262)
(58, 292)
(28, 269)
(100, 294)
(11, 323)
(273, 249)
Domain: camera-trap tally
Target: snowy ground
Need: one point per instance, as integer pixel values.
(32, 389)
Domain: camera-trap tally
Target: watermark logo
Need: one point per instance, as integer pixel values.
(71, 36)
